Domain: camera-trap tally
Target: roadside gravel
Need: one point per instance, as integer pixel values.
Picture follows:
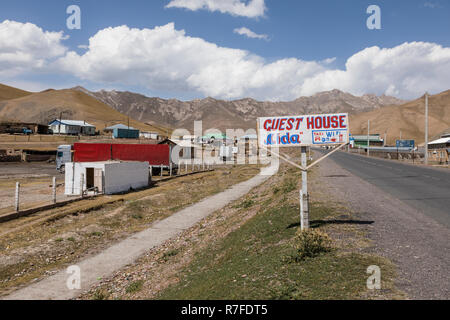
(417, 244)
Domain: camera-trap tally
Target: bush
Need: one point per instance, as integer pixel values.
(310, 243)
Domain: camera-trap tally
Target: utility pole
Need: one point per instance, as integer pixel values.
(59, 125)
(368, 137)
(128, 131)
(426, 127)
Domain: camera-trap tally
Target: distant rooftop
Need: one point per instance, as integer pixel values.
(72, 123)
(119, 126)
(443, 140)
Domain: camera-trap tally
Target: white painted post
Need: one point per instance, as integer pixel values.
(186, 166)
(161, 170)
(170, 169)
(304, 207)
(17, 196)
(54, 190)
(81, 184)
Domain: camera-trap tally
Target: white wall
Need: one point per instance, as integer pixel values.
(118, 176)
(73, 177)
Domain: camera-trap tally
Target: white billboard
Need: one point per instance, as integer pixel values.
(306, 130)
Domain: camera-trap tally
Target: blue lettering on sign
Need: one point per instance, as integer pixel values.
(286, 139)
(329, 136)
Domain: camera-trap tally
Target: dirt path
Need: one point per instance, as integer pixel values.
(102, 265)
(416, 243)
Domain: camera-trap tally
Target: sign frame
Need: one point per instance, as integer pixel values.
(304, 195)
(307, 130)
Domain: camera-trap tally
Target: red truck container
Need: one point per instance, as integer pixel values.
(154, 154)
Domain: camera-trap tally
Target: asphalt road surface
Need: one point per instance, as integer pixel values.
(426, 189)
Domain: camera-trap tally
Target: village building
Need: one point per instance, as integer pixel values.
(72, 127)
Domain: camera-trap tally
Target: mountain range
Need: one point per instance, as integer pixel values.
(387, 114)
(221, 114)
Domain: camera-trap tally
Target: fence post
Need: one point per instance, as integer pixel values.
(17, 196)
(82, 185)
(170, 168)
(54, 190)
(161, 170)
(151, 173)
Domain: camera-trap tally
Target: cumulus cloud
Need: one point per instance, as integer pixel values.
(252, 9)
(404, 71)
(26, 47)
(432, 5)
(250, 34)
(164, 59)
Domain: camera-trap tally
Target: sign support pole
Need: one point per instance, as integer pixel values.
(304, 196)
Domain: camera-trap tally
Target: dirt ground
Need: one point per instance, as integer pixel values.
(162, 267)
(39, 245)
(35, 181)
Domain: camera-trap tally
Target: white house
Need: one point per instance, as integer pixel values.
(149, 135)
(72, 127)
(106, 177)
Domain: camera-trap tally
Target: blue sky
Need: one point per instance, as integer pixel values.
(308, 31)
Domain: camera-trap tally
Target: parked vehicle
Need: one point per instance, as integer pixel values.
(27, 131)
(63, 155)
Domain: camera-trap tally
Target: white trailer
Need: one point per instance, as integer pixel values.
(107, 177)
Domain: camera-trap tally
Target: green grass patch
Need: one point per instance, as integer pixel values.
(250, 263)
(135, 286)
(171, 253)
(245, 204)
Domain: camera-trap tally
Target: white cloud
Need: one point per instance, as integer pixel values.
(250, 34)
(406, 71)
(26, 47)
(252, 9)
(164, 59)
(432, 5)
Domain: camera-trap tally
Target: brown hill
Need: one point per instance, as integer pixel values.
(45, 106)
(409, 118)
(242, 113)
(7, 92)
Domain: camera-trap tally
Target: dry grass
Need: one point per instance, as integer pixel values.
(47, 105)
(7, 92)
(34, 246)
(408, 118)
(238, 253)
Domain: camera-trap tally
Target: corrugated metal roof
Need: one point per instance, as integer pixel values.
(364, 138)
(119, 126)
(440, 141)
(73, 123)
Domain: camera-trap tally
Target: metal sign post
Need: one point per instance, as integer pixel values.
(303, 131)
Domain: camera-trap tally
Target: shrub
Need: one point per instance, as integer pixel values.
(289, 185)
(134, 286)
(310, 243)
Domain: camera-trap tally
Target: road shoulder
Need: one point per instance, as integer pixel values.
(416, 243)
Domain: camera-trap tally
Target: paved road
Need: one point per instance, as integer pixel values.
(386, 194)
(426, 189)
